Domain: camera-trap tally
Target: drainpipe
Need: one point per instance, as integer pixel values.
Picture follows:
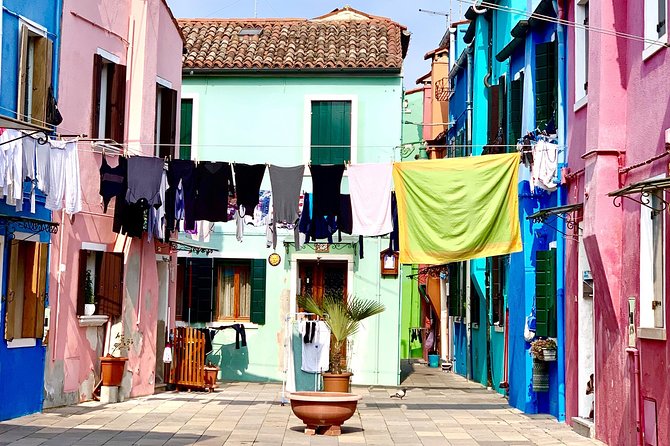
(639, 410)
(469, 117)
(560, 201)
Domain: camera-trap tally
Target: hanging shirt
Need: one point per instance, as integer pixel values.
(214, 184)
(326, 182)
(144, 180)
(113, 181)
(13, 168)
(180, 196)
(248, 179)
(370, 187)
(316, 353)
(286, 183)
(64, 174)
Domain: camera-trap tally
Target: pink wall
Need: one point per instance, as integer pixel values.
(622, 125)
(132, 32)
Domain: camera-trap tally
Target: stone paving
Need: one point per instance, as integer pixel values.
(453, 412)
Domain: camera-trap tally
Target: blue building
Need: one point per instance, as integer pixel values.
(29, 71)
(508, 81)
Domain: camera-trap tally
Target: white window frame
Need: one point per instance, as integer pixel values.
(195, 97)
(307, 124)
(651, 19)
(19, 342)
(648, 328)
(109, 58)
(581, 58)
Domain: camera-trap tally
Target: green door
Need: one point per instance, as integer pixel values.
(545, 292)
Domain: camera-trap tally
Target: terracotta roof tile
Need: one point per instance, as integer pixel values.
(362, 42)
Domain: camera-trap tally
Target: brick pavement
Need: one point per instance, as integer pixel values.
(458, 413)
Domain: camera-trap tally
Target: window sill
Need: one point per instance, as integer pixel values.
(247, 325)
(22, 343)
(657, 334)
(649, 51)
(96, 320)
(581, 103)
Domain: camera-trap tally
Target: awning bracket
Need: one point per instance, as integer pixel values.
(644, 200)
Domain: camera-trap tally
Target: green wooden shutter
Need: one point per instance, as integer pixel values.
(545, 292)
(258, 274)
(454, 290)
(545, 82)
(199, 276)
(331, 132)
(186, 129)
(516, 101)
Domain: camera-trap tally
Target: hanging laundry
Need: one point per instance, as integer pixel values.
(370, 187)
(145, 174)
(31, 164)
(214, 184)
(286, 183)
(180, 196)
(345, 221)
(113, 182)
(12, 164)
(248, 179)
(64, 177)
(156, 215)
(326, 182)
(545, 165)
(313, 227)
(316, 353)
(394, 241)
(458, 209)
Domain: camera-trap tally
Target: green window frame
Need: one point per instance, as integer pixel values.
(545, 293)
(330, 141)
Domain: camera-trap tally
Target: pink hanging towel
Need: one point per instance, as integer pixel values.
(370, 189)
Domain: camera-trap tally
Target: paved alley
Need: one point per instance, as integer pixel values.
(247, 413)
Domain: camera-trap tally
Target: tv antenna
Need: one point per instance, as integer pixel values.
(445, 14)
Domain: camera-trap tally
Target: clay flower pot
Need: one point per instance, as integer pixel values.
(336, 382)
(111, 369)
(323, 412)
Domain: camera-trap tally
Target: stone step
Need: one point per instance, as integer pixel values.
(584, 427)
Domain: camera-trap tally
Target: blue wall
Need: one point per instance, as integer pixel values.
(22, 369)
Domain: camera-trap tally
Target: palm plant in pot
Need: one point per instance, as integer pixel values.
(89, 305)
(343, 319)
(112, 367)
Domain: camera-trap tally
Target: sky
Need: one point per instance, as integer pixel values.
(427, 29)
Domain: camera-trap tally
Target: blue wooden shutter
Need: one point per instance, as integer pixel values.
(545, 292)
(454, 290)
(331, 132)
(258, 275)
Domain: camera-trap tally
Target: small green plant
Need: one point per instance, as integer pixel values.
(343, 319)
(88, 288)
(538, 346)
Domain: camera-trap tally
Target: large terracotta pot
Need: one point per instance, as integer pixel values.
(112, 369)
(323, 412)
(336, 382)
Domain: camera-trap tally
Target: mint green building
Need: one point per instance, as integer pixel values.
(288, 92)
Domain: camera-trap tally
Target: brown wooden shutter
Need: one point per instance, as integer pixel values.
(494, 113)
(41, 80)
(110, 284)
(95, 110)
(42, 274)
(168, 122)
(81, 289)
(11, 290)
(117, 105)
(23, 71)
(30, 279)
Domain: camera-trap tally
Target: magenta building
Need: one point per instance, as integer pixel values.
(617, 354)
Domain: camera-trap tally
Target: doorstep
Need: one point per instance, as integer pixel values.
(584, 427)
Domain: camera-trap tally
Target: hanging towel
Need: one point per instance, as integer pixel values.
(457, 209)
(214, 184)
(370, 188)
(248, 179)
(145, 174)
(326, 181)
(315, 354)
(65, 180)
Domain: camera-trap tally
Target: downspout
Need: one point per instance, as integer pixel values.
(57, 46)
(468, 328)
(561, 123)
(639, 409)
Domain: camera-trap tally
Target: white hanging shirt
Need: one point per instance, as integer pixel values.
(12, 166)
(370, 188)
(315, 354)
(64, 177)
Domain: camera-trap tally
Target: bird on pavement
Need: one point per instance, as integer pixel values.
(400, 394)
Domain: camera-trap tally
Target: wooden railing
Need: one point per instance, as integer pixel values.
(188, 358)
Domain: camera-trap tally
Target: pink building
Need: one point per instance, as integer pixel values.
(616, 268)
(120, 80)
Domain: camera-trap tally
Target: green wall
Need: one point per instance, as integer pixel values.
(410, 313)
(264, 120)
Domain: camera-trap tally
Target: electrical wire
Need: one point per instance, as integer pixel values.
(559, 21)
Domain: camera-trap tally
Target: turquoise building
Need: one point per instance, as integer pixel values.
(508, 80)
(309, 97)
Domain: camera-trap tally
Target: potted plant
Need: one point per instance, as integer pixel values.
(543, 349)
(89, 305)
(343, 320)
(112, 367)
